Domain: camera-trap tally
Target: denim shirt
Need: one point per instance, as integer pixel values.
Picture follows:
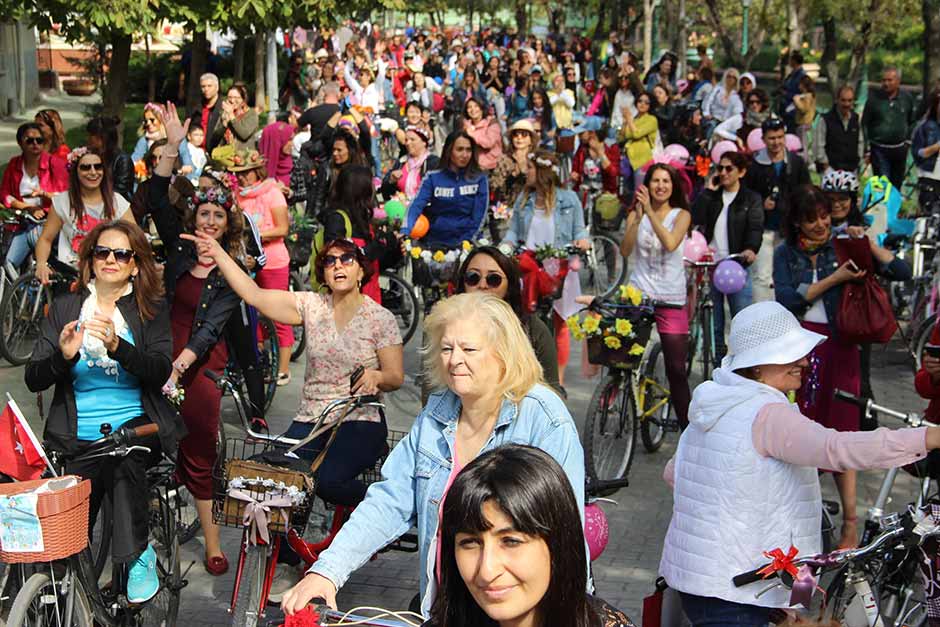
(416, 472)
(926, 134)
(793, 275)
(568, 216)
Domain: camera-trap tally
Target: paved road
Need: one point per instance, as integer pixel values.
(638, 520)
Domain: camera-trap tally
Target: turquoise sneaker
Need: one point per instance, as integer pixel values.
(142, 581)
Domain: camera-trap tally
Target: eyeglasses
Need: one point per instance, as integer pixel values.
(35, 141)
(346, 259)
(753, 102)
(726, 168)
(88, 167)
(121, 255)
(493, 280)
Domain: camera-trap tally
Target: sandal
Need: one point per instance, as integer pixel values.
(283, 378)
(216, 566)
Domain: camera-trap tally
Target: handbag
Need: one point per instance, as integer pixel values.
(865, 315)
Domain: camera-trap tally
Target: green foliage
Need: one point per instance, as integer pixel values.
(133, 114)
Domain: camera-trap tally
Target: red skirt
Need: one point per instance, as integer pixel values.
(833, 365)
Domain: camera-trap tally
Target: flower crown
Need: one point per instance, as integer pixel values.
(76, 155)
(156, 108)
(214, 195)
(545, 163)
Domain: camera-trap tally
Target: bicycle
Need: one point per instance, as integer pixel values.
(68, 592)
(702, 329)
(632, 396)
(605, 268)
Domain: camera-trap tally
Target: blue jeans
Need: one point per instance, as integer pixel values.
(712, 612)
(22, 244)
(736, 302)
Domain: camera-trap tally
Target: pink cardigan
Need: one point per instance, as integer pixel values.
(489, 137)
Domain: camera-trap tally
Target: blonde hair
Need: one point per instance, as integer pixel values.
(547, 181)
(504, 335)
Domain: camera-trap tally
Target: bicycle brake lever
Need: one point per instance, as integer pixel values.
(124, 451)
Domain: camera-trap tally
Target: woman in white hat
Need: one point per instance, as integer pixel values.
(745, 476)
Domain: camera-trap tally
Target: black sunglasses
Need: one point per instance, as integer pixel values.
(726, 168)
(121, 255)
(346, 259)
(88, 167)
(36, 141)
(493, 280)
(754, 102)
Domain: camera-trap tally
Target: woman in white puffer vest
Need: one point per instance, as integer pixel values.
(745, 474)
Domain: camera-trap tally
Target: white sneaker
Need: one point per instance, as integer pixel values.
(285, 578)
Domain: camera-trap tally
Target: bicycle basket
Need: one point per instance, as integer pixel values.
(623, 353)
(300, 244)
(244, 480)
(435, 272)
(63, 518)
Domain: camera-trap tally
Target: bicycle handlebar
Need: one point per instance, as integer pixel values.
(912, 419)
(596, 486)
(713, 263)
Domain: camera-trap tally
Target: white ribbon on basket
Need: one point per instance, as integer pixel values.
(256, 512)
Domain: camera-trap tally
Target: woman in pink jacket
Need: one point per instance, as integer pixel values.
(485, 131)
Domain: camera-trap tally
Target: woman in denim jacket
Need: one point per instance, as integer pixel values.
(925, 147)
(808, 280)
(493, 396)
(548, 215)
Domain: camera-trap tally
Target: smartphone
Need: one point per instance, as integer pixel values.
(355, 376)
(933, 350)
(854, 267)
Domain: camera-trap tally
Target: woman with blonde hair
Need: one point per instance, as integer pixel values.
(152, 130)
(492, 394)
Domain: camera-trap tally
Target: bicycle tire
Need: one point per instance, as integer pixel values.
(398, 296)
(33, 601)
(606, 268)
(920, 339)
(21, 314)
(247, 607)
(708, 344)
(695, 335)
(268, 359)
(297, 284)
(99, 536)
(163, 609)
(610, 430)
(187, 518)
(652, 429)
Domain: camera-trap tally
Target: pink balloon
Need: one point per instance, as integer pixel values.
(721, 148)
(695, 247)
(730, 277)
(793, 143)
(596, 530)
(755, 140)
(677, 152)
(379, 213)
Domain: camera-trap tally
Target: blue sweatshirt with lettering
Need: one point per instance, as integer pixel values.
(454, 205)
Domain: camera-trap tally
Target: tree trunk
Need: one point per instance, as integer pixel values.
(796, 18)
(197, 66)
(522, 17)
(601, 19)
(732, 51)
(238, 56)
(829, 64)
(649, 7)
(682, 40)
(860, 49)
(116, 94)
(151, 75)
(260, 101)
(931, 11)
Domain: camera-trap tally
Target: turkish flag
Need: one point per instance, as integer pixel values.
(21, 455)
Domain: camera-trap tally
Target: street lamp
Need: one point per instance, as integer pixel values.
(746, 4)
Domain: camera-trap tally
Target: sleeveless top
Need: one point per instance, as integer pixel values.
(658, 273)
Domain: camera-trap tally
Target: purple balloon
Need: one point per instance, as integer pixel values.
(730, 277)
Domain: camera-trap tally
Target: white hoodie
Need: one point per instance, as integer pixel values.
(731, 503)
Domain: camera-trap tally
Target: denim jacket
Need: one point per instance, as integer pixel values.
(793, 275)
(568, 216)
(416, 472)
(926, 134)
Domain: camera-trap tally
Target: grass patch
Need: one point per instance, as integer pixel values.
(133, 113)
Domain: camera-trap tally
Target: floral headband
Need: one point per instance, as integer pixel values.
(214, 195)
(545, 163)
(156, 108)
(76, 155)
(420, 132)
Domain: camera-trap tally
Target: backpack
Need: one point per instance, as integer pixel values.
(318, 243)
(879, 189)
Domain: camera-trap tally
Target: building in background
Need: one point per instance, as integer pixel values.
(19, 75)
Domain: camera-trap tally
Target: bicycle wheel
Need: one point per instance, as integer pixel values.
(162, 610)
(297, 284)
(653, 427)
(695, 338)
(268, 358)
(100, 536)
(187, 518)
(21, 313)
(610, 430)
(920, 339)
(248, 602)
(708, 346)
(41, 603)
(605, 270)
(398, 296)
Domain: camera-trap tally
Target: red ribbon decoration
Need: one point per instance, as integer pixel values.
(780, 562)
(536, 282)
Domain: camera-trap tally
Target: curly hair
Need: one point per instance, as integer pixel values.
(233, 239)
(347, 246)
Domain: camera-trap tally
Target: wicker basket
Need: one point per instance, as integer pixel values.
(229, 511)
(63, 515)
(602, 355)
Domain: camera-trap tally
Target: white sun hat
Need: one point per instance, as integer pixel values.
(767, 333)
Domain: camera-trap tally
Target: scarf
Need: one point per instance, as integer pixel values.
(411, 175)
(811, 246)
(93, 350)
(756, 118)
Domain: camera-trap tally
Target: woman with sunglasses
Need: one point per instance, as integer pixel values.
(75, 212)
(152, 130)
(345, 330)
(29, 181)
(508, 177)
(487, 270)
(201, 303)
(546, 214)
(737, 128)
(106, 349)
(50, 122)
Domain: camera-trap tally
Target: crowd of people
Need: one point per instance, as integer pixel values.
(494, 143)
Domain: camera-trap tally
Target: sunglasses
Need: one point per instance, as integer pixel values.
(121, 255)
(473, 278)
(726, 168)
(644, 101)
(753, 102)
(35, 141)
(88, 167)
(346, 259)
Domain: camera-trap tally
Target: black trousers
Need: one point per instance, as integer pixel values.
(242, 340)
(124, 481)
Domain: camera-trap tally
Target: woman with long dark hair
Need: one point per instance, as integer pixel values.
(544, 117)
(656, 227)
(104, 138)
(511, 522)
(53, 130)
(454, 198)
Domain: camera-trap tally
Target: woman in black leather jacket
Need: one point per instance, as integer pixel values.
(103, 136)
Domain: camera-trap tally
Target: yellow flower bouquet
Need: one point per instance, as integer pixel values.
(616, 329)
